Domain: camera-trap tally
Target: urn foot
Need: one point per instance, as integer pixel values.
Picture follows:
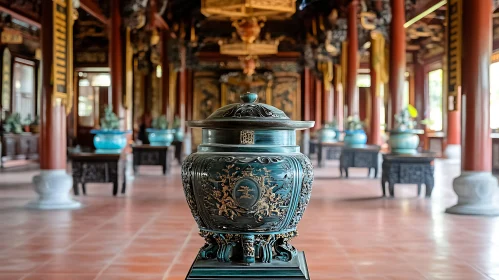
(247, 248)
(212, 269)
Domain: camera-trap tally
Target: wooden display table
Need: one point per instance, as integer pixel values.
(328, 150)
(408, 169)
(152, 155)
(22, 146)
(98, 168)
(364, 157)
(495, 153)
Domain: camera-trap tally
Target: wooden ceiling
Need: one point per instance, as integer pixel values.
(317, 24)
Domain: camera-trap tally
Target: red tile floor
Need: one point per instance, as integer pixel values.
(348, 232)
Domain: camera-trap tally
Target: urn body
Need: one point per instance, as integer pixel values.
(248, 184)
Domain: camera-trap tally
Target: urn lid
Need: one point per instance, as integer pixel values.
(250, 114)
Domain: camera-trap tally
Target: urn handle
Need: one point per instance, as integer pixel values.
(249, 97)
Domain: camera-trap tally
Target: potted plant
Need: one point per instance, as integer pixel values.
(354, 132)
(35, 125)
(404, 137)
(13, 124)
(179, 134)
(27, 123)
(159, 134)
(329, 132)
(109, 138)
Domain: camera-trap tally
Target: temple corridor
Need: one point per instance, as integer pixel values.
(348, 231)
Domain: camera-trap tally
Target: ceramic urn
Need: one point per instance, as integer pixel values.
(248, 184)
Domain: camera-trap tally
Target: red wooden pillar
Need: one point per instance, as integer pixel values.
(375, 122)
(318, 103)
(419, 90)
(165, 75)
(53, 183)
(352, 60)
(476, 187)
(189, 99)
(327, 105)
(306, 109)
(182, 100)
(397, 57)
(420, 99)
(306, 94)
(453, 145)
(116, 58)
(338, 96)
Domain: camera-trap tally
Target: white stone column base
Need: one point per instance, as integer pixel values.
(453, 152)
(476, 193)
(53, 187)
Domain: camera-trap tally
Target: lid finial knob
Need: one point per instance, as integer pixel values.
(249, 97)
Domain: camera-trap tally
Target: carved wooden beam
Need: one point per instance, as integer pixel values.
(93, 8)
(423, 9)
(20, 17)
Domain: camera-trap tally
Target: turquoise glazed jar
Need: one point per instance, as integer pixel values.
(355, 138)
(109, 141)
(248, 184)
(179, 135)
(160, 137)
(404, 141)
(328, 135)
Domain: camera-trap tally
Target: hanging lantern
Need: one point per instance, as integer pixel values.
(248, 44)
(246, 8)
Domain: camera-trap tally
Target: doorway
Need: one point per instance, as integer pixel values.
(93, 95)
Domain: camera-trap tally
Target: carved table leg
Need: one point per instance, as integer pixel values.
(115, 188)
(391, 189)
(319, 157)
(346, 172)
(341, 171)
(375, 172)
(123, 187)
(429, 189)
(84, 189)
(369, 172)
(383, 185)
(419, 189)
(75, 187)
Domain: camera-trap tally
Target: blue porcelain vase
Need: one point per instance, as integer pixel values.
(109, 141)
(404, 141)
(160, 137)
(328, 134)
(248, 184)
(355, 138)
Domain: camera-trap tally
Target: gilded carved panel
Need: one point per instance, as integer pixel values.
(286, 94)
(207, 96)
(211, 91)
